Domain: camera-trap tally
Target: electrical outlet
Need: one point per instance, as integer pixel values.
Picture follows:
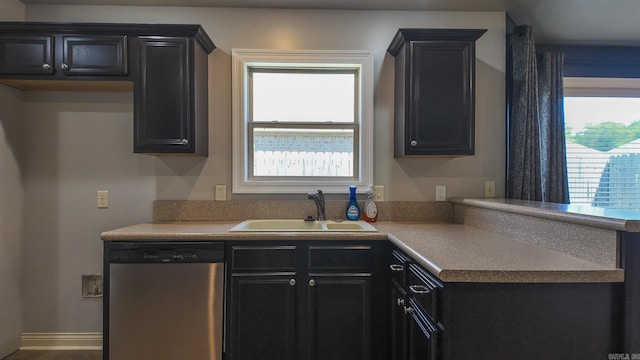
(378, 193)
(489, 189)
(441, 193)
(221, 193)
(102, 199)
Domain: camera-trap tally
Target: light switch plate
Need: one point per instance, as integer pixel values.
(378, 193)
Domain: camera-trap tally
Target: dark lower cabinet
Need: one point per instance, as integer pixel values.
(264, 317)
(324, 309)
(399, 328)
(502, 321)
(421, 336)
(339, 316)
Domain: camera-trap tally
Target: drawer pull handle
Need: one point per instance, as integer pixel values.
(312, 282)
(292, 282)
(65, 67)
(400, 301)
(46, 66)
(396, 267)
(419, 289)
(408, 310)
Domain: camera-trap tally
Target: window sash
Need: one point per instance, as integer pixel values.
(303, 70)
(316, 126)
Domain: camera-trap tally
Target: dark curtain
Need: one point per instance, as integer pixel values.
(537, 167)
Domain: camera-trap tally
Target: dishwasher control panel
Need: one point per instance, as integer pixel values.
(173, 252)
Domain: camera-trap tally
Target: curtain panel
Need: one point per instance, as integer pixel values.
(537, 165)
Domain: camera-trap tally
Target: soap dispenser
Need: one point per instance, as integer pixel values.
(370, 212)
(353, 210)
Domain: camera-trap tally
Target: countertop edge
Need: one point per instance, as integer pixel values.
(142, 233)
(553, 211)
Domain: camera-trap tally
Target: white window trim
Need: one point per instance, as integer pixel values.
(242, 60)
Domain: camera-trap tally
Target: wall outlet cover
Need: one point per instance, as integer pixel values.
(441, 193)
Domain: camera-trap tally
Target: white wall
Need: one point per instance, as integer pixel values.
(11, 221)
(79, 143)
(11, 193)
(12, 10)
(11, 199)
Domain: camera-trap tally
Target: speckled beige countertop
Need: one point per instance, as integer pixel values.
(613, 219)
(452, 252)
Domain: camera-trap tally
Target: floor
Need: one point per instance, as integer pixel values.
(56, 355)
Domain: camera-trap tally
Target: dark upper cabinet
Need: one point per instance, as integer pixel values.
(26, 54)
(53, 56)
(94, 55)
(172, 74)
(434, 91)
(166, 65)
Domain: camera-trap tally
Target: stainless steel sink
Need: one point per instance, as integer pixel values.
(289, 225)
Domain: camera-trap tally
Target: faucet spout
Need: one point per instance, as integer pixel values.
(318, 198)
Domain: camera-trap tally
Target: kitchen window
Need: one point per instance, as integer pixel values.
(602, 121)
(302, 120)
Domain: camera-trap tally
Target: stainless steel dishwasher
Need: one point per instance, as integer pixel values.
(163, 300)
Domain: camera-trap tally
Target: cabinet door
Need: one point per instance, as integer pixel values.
(262, 317)
(339, 316)
(26, 54)
(398, 324)
(441, 103)
(94, 55)
(163, 108)
(421, 336)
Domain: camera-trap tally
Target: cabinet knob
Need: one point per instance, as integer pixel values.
(400, 301)
(396, 267)
(46, 66)
(413, 143)
(312, 282)
(184, 141)
(419, 289)
(408, 310)
(65, 67)
(292, 282)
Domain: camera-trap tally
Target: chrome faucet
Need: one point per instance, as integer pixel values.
(318, 198)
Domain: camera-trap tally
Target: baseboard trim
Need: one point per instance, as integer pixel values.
(61, 341)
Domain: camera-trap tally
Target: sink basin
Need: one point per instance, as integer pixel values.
(285, 225)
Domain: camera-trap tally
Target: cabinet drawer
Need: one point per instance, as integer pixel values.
(423, 288)
(398, 267)
(260, 258)
(340, 257)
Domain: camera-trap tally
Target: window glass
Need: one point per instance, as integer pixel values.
(293, 95)
(603, 150)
